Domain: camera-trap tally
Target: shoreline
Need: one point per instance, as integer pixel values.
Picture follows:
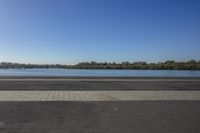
(101, 77)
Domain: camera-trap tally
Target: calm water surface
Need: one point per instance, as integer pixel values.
(81, 72)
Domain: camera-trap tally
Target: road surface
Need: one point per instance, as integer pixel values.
(63, 105)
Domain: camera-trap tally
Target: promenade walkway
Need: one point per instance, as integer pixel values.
(97, 95)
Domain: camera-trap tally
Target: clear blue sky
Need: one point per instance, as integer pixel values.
(72, 31)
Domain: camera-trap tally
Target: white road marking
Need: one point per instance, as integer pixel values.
(98, 95)
(115, 108)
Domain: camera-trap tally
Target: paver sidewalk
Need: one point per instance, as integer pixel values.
(97, 95)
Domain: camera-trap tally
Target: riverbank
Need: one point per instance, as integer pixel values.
(99, 77)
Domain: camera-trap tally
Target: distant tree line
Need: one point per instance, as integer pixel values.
(5, 65)
(167, 65)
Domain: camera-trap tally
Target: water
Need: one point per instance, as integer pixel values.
(81, 72)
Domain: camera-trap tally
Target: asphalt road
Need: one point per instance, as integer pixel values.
(100, 117)
(156, 116)
(101, 85)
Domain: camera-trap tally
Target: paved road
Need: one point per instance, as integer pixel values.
(142, 85)
(100, 117)
(64, 106)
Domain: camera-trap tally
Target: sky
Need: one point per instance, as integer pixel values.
(72, 31)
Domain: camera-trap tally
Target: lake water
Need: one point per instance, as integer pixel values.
(81, 72)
